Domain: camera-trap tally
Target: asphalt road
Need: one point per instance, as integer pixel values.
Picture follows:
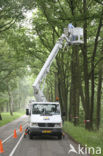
(39, 146)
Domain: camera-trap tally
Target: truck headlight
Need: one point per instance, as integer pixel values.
(34, 124)
(58, 125)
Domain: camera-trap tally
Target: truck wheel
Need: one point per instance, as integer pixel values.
(59, 137)
(30, 136)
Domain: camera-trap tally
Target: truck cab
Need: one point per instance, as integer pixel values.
(45, 119)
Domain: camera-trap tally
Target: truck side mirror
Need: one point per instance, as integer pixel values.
(63, 114)
(27, 112)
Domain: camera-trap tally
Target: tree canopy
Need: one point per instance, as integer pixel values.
(77, 73)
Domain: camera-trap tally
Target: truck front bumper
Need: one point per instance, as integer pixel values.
(44, 131)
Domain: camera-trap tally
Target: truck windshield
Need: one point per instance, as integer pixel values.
(46, 109)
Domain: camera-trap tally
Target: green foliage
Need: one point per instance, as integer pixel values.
(12, 11)
(24, 50)
(49, 20)
(6, 117)
(84, 137)
(15, 59)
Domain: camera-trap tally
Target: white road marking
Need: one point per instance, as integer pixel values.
(14, 149)
(12, 134)
(7, 138)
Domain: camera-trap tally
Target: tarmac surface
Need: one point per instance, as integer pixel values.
(39, 146)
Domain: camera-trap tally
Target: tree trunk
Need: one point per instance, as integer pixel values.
(51, 92)
(93, 72)
(74, 95)
(85, 66)
(19, 98)
(62, 83)
(82, 95)
(10, 101)
(56, 85)
(7, 107)
(0, 117)
(70, 105)
(48, 92)
(99, 93)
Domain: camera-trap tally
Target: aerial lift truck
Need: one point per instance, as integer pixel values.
(45, 117)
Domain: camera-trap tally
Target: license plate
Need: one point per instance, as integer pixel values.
(46, 131)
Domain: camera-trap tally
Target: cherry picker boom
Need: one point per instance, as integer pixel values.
(73, 35)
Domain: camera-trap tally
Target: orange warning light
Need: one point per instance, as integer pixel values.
(57, 98)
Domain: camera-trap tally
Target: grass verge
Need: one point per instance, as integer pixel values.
(6, 117)
(85, 137)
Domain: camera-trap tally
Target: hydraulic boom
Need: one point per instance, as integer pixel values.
(71, 36)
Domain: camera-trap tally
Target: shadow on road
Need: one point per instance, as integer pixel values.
(45, 138)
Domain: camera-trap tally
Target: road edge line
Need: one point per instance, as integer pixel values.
(14, 149)
(12, 134)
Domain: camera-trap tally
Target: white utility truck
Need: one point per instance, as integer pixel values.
(45, 117)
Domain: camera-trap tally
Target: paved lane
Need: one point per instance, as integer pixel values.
(45, 146)
(39, 146)
(8, 129)
(6, 134)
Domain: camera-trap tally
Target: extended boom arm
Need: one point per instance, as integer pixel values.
(38, 93)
